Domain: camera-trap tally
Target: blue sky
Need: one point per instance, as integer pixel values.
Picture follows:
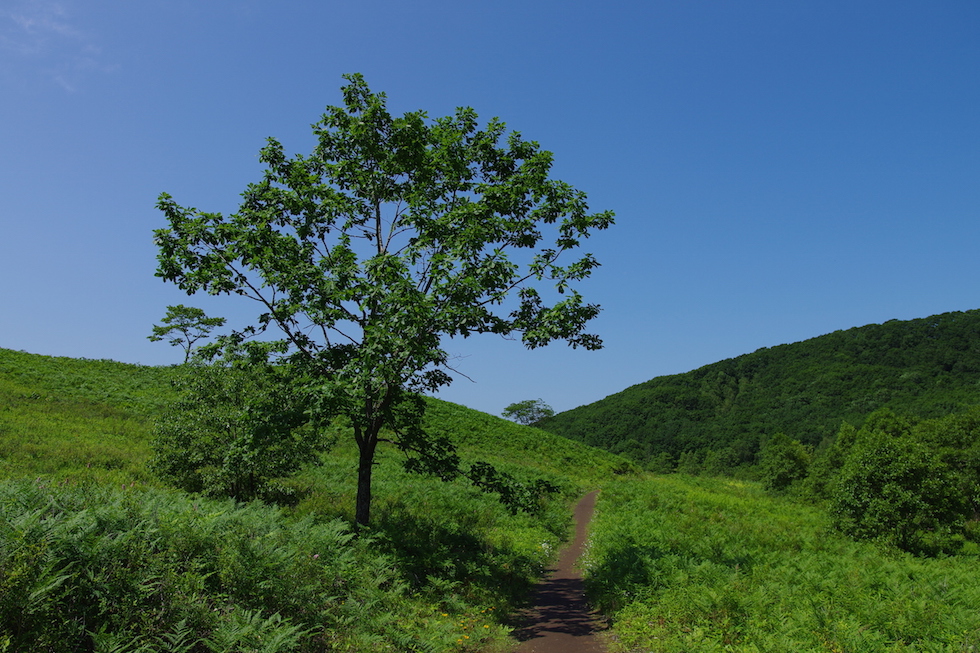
(779, 170)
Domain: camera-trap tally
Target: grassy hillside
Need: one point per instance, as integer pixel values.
(711, 564)
(92, 419)
(96, 554)
(927, 367)
(64, 417)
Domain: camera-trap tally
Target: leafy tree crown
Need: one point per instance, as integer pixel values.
(528, 412)
(395, 234)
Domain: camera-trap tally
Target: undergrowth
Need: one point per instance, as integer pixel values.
(91, 568)
(698, 564)
(96, 555)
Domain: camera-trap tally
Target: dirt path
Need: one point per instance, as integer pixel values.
(560, 621)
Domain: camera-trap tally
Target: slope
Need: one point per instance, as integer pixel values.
(929, 367)
(96, 555)
(93, 419)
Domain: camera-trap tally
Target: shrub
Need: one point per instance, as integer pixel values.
(784, 462)
(233, 432)
(893, 489)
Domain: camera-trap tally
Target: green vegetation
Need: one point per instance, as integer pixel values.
(912, 484)
(88, 419)
(183, 326)
(784, 462)
(145, 570)
(864, 541)
(365, 257)
(95, 554)
(712, 564)
(716, 419)
(529, 411)
(233, 432)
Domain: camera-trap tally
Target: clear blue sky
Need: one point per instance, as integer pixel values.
(779, 170)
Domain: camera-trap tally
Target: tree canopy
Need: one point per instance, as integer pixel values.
(528, 411)
(184, 326)
(393, 235)
(927, 367)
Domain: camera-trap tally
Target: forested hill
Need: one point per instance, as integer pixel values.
(719, 414)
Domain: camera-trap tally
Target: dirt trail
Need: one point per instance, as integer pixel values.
(560, 620)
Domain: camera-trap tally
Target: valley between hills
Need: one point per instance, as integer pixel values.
(818, 496)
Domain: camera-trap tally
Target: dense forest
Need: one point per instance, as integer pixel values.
(719, 417)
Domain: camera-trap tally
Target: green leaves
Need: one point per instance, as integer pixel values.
(191, 323)
(154, 571)
(784, 462)
(893, 489)
(394, 234)
(446, 199)
(528, 412)
(234, 432)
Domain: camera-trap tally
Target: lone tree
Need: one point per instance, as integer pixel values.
(529, 411)
(393, 235)
(192, 324)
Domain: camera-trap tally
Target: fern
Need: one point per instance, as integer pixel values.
(249, 632)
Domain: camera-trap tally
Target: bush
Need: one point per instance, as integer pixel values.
(894, 490)
(233, 432)
(784, 462)
(956, 441)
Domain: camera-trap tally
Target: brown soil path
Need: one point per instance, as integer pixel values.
(560, 621)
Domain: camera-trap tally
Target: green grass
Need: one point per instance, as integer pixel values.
(137, 390)
(96, 553)
(523, 449)
(79, 419)
(697, 564)
(137, 570)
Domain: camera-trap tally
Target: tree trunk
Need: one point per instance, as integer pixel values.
(365, 465)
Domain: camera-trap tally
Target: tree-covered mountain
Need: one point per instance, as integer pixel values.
(716, 417)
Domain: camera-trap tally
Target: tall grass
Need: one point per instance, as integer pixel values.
(135, 389)
(68, 418)
(91, 568)
(697, 564)
(95, 555)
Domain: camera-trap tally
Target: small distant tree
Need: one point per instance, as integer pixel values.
(184, 326)
(528, 412)
(784, 462)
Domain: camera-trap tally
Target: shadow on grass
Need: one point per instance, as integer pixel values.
(448, 560)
